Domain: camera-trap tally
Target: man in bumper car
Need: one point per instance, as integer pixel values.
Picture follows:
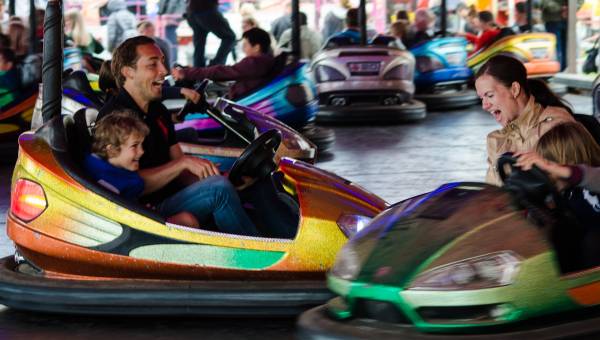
(249, 73)
(138, 66)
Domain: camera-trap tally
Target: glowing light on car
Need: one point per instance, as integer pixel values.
(399, 72)
(427, 64)
(485, 271)
(352, 224)
(28, 200)
(326, 73)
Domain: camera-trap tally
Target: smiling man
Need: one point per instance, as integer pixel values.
(138, 67)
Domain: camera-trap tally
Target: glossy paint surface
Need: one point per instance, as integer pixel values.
(535, 50)
(68, 237)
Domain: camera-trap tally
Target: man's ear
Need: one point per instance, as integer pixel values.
(515, 89)
(127, 71)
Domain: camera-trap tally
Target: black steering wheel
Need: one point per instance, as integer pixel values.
(190, 106)
(533, 184)
(257, 159)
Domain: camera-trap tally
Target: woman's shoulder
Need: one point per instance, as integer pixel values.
(556, 112)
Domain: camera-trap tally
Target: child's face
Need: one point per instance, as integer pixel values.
(130, 153)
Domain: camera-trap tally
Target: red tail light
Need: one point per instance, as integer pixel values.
(28, 200)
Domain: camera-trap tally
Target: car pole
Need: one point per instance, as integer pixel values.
(296, 47)
(362, 20)
(53, 61)
(443, 18)
(32, 27)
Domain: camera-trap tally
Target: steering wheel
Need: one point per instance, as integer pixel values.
(534, 184)
(257, 159)
(190, 106)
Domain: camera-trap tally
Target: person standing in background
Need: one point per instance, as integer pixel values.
(310, 40)
(204, 17)
(148, 29)
(282, 23)
(120, 25)
(554, 15)
(172, 12)
(335, 19)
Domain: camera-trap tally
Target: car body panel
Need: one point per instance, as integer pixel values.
(85, 233)
(456, 223)
(537, 51)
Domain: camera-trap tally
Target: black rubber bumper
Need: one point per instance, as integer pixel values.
(449, 101)
(410, 111)
(316, 324)
(157, 297)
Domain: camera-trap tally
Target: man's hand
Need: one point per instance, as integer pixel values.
(200, 167)
(177, 73)
(191, 95)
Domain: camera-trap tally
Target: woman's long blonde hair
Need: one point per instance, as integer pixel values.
(78, 33)
(569, 144)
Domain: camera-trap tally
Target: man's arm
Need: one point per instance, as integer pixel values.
(246, 68)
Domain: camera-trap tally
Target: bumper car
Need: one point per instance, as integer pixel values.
(80, 248)
(372, 83)
(17, 105)
(444, 264)
(288, 96)
(537, 51)
(442, 75)
(222, 146)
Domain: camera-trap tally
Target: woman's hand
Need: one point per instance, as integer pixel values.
(526, 160)
(191, 95)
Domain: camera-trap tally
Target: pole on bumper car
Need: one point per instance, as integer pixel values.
(296, 52)
(32, 27)
(362, 21)
(443, 17)
(53, 61)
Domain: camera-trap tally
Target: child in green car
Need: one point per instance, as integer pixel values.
(571, 156)
(9, 76)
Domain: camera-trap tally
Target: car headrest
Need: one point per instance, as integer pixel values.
(383, 40)
(78, 81)
(591, 124)
(78, 129)
(335, 42)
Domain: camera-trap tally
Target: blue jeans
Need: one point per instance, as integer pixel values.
(214, 196)
(203, 22)
(171, 35)
(559, 28)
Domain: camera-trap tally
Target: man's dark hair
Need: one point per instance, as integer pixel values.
(258, 36)
(486, 16)
(126, 55)
(521, 7)
(303, 19)
(8, 55)
(352, 17)
(4, 41)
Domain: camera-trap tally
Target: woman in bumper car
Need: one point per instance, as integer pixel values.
(525, 108)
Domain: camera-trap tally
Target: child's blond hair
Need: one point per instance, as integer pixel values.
(114, 129)
(569, 144)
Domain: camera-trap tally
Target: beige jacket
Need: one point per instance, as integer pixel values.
(522, 134)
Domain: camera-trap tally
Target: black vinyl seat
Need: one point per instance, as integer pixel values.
(78, 81)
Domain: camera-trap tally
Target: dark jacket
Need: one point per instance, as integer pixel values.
(202, 5)
(249, 73)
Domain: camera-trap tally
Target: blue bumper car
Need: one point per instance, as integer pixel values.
(442, 75)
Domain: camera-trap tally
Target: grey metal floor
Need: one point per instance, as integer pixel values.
(396, 162)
